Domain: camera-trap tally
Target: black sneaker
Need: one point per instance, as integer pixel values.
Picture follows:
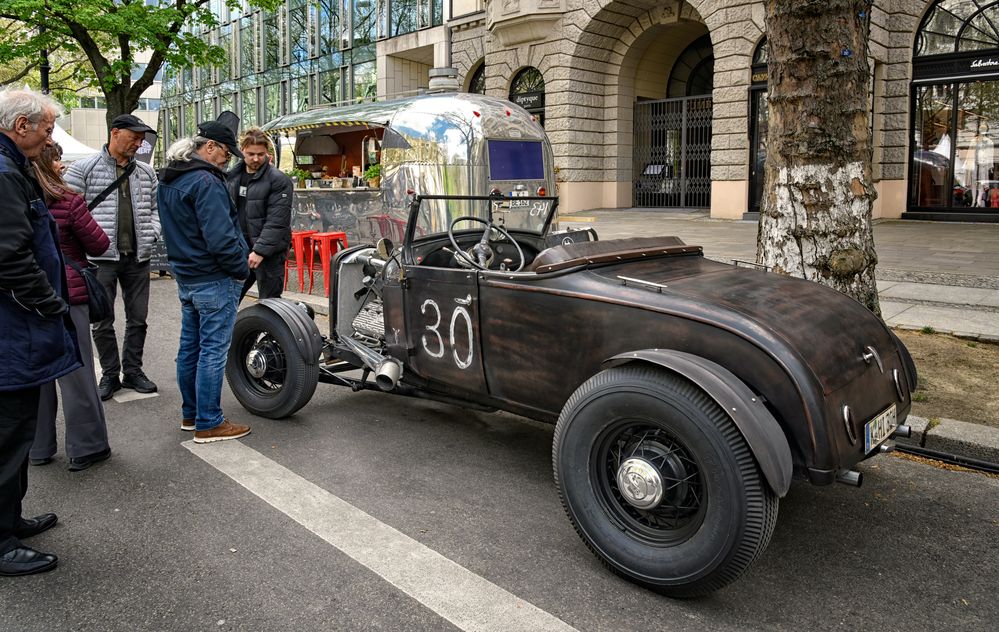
(138, 382)
(108, 386)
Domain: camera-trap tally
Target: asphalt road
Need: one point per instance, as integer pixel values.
(160, 538)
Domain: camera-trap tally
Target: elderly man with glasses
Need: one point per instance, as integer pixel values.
(38, 342)
(208, 256)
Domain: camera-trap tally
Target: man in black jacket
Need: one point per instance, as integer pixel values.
(38, 342)
(263, 198)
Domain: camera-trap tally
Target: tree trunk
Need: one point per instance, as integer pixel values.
(118, 102)
(815, 220)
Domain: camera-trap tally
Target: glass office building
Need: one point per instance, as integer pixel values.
(305, 53)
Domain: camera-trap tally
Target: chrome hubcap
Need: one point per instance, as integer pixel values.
(640, 483)
(256, 363)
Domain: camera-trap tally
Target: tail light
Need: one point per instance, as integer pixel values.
(542, 192)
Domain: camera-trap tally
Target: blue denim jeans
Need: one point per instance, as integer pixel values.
(208, 314)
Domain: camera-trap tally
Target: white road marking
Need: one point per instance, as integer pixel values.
(465, 599)
(128, 395)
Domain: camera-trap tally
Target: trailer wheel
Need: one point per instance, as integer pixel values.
(659, 483)
(265, 368)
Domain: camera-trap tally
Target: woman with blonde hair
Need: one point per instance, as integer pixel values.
(79, 236)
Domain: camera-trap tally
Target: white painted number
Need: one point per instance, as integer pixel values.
(467, 362)
(440, 341)
(459, 312)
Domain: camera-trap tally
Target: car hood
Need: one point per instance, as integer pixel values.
(791, 319)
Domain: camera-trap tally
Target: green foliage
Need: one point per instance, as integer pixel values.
(373, 171)
(109, 33)
(928, 330)
(299, 174)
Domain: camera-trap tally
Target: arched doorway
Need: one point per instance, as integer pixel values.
(672, 146)
(954, 162)
(528, 91)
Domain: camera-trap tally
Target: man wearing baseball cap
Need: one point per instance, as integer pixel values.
(121, 194)
(208, 256)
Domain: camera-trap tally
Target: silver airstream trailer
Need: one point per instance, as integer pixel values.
(453, 144)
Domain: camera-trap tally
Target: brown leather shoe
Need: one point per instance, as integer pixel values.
(187, 424)
(223, 431)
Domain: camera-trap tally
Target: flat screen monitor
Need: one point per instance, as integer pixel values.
(516, 160)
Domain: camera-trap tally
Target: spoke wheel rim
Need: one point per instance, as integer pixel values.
(680, 509)
(264, 365)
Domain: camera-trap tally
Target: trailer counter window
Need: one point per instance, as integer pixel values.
(516, 160)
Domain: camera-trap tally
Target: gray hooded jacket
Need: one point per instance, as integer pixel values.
(92, 175)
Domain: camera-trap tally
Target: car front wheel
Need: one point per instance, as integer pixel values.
(265, 369)
(659, 482)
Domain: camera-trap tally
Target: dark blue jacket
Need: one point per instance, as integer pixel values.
(200, 228)
(37, 337)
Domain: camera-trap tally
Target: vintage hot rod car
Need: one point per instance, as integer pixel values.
(687, 393)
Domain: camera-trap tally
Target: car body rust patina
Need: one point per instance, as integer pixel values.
(686, 393)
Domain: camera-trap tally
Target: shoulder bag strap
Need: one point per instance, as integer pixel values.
(111, 187)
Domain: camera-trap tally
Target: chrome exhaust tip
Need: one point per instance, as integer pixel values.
(850, 477)
(902, 431)
(387, 375)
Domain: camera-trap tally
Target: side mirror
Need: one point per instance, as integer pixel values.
(384, 248)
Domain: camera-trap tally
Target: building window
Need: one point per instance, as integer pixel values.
(694, 70)
(365, 81)
(954, 165)
(249, 108)
(272, 41)
(298, 31)
(247, 47)
(477, 84)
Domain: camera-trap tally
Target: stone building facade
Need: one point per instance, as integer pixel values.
(662, 103)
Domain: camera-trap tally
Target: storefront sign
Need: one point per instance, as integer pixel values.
(529, 100)
(955, 66)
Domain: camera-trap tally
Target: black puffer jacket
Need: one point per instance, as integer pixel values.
(267, 220)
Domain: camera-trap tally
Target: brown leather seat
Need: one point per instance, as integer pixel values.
(570, 255)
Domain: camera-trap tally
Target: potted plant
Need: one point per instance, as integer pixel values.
(373, 174)
(299, 176)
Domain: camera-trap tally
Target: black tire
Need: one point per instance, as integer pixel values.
(288, 380)
(716, 514)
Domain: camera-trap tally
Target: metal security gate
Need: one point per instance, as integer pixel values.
(672, 160)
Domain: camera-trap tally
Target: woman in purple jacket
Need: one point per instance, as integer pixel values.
(79, 236)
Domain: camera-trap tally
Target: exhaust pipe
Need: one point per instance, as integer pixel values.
(850, 477)
(388, 374)
(387, 371)
(902, 431)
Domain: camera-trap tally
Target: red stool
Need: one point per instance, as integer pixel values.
(301, 243)
(328, 244)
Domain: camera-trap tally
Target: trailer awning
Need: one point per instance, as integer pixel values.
(362, 115)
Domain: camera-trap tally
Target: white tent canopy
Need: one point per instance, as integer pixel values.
(72, 149)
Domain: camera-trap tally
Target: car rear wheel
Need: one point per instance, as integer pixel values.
(659, 482)
(265, 369)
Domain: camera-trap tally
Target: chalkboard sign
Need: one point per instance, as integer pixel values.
(158, 260)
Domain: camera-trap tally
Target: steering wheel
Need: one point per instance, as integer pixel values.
(481, 254)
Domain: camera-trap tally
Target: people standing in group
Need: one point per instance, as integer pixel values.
(37, 343)
(263, 198)
(208, 256)
(121, 194)
(79, 236)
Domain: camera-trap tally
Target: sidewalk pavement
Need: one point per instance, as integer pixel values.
(943, 275)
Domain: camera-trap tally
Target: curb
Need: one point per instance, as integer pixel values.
(954, 437)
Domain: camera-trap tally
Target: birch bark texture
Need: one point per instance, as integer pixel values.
(815, 219)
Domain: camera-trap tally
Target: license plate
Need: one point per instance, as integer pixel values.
(515, 203)
(879, 429)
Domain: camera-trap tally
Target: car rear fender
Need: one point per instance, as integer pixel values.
(307, 336)
(762, 432)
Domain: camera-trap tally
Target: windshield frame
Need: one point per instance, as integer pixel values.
(492, 208)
